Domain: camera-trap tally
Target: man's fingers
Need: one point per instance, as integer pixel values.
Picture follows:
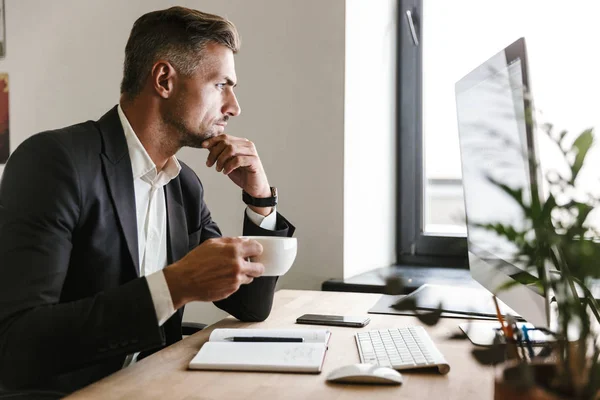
(214, 153)
(213, 141)
(221, 153)
(253, 269)
(250, 248)
(227, 153)
(231, 152)
(236, 162)
(223, 147)
(210, 142)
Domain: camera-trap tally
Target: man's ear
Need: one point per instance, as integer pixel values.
(163, 75)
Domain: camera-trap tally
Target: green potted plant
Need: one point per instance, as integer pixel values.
(559, 248)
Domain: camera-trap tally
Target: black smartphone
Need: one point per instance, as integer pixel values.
(335, 320)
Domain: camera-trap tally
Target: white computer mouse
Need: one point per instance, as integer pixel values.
(365, 373)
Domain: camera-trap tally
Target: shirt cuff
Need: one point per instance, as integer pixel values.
(269, 222)
(161, 296)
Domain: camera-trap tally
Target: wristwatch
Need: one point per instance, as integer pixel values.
(261, 202)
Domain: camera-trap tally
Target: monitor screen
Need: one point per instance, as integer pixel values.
(497, 143)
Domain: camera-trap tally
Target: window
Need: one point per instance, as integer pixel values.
(441, 41)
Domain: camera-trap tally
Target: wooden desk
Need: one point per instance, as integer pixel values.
(164, 375)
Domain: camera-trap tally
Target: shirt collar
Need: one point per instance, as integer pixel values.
(142, 165)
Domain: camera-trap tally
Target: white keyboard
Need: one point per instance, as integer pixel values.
(400, 348)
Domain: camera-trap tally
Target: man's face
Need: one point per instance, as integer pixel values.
(203, 102)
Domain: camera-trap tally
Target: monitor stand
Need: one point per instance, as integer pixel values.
(483, 333)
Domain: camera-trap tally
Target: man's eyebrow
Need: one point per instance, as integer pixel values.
(230, 81)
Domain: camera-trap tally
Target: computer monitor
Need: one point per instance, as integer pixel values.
(496, 141)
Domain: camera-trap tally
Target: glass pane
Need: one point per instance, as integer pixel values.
(459, 35)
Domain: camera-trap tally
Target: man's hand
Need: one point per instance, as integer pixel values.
(213, 271)
(238, 159)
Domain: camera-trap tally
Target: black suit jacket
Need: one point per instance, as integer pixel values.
(72, 304)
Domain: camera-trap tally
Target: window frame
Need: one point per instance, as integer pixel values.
(413, 245)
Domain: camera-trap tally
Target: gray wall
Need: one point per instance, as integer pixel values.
(64, 60)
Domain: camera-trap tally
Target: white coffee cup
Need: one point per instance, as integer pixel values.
(278, 253)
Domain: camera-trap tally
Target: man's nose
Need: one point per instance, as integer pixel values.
(232, 107)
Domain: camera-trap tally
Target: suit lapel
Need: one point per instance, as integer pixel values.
(176, 222)
(117, 167)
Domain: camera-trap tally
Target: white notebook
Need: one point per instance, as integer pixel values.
(220, 353)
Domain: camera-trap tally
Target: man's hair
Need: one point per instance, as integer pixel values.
(178, 35)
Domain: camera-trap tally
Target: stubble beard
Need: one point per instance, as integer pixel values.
(188, 138)
(184, 135)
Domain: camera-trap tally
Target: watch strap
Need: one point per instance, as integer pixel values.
(261, 202)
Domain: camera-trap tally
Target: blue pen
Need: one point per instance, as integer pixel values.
(527, 341)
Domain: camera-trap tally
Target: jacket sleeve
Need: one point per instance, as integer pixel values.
(40, 204)
(252, 302)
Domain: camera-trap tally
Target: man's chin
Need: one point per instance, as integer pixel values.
(196, 140)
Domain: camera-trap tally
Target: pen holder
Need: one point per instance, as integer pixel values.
(511, 349)
(508, 348)
(520, 347)
(517, 380)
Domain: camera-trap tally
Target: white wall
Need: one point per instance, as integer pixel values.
(64, 60)
(369, 139)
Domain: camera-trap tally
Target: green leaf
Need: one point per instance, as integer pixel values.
(520, 278)
(516, 194)
(405, 304)
(394, 285)
(548, 128)
(430, 318)
(525, 278)
(580, 147)
(409, 303)
(506, 231)
(490, 355)
(582, 255)
(561, 138)
(583, 210)
(547, 208)
(458, 335)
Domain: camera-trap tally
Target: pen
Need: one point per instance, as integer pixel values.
(263, 339)
(527, 341)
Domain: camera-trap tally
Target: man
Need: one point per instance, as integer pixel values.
(92, 213)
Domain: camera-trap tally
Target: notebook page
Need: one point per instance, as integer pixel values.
(290, 357)
(309, 335)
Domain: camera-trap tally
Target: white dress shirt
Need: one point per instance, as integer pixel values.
(152, 218)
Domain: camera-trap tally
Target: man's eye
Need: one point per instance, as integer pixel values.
(221, 85)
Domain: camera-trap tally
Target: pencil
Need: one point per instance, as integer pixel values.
(501, 320)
